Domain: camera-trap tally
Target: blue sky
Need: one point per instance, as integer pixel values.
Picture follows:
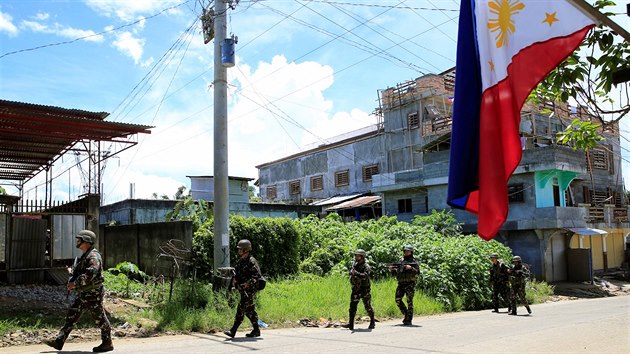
(306, 71)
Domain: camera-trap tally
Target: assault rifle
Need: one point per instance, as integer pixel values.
(394, 266)
(72, 275)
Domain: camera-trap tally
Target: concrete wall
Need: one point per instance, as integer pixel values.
(525, 243)
(418, 204)
(139, 243)
(202, 187)
(136, 211)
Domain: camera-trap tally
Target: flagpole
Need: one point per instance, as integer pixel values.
(594, 14)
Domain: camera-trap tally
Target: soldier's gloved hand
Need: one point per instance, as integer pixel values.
(353, 272)
(71, 286)
(244, 286)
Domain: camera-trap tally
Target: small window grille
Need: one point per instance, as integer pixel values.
(317, 183)
(369, 171)
(342, 178)
(294, 187)
(272, 192)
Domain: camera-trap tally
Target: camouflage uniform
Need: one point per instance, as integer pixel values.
(360, 281)
(88, 277)
(499, 278)
(247, 271)
(518, 278)
(406, 286)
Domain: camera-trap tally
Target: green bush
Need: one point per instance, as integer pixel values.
(453, 268)
(275, 243)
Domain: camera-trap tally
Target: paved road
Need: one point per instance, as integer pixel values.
(581, 326)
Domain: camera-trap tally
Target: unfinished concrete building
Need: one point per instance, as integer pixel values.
(566, 218)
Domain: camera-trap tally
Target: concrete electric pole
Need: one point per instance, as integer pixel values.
(221, 203)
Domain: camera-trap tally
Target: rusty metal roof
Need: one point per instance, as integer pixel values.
(358, 202)
(32, 136)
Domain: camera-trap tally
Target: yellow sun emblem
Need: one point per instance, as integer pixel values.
(503, 23)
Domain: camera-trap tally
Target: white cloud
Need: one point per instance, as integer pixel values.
(129, 10)
(62, 31)
(6, 24)
(182, 142)
(340, 122)
(42, 16)
(129, 45)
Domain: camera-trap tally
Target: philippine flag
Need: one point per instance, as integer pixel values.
(504, 49)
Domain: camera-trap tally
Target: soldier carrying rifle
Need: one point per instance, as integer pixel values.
(87, 281)
(360, 281)
(247, 279)
(406, 273)
(519, 273)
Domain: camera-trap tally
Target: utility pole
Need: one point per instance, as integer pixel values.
(221, 202)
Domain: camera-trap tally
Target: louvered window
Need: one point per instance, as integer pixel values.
(342, 178)
(317, 183)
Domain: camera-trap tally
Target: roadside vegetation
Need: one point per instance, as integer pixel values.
(306, 263)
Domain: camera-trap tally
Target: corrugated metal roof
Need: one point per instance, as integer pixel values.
(586, 231)
(335, 200)
(358, 202)
(32, 136)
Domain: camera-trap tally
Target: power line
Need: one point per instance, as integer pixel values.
(382, 6)
(95, 34)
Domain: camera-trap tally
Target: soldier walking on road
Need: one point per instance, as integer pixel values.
(360, 282)
(519, 274)
(87, 280)
(406, 274)
(246, 278)
(499, 278)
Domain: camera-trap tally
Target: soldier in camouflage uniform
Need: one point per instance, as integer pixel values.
(519, 274)
(360, 281)
(87, 280)
(406, 273)
(246, 277)
(499, 278)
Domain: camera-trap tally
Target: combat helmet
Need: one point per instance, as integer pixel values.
(407, 248)
(516, 259)
(360, 252)
(86, 236)
(245, 245)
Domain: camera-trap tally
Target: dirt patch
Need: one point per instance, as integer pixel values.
(615, 283)
(46, 315)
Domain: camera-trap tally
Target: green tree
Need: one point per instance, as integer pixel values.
(586, 77)
(583, 135)
(197, 211)
(179, 195)
(252, 195)
(3, 191)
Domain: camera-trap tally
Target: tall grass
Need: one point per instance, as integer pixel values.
(281, 304)
(329, 298)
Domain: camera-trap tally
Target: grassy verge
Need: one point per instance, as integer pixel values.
(538, 292)
(283, 303)
(195, 307)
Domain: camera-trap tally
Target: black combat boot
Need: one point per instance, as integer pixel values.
(513, 312)
(106, 346)
(372, 323)
(56, 343)
(255, 332)
(350, 324)
(232, 331)
(529, 311)
(407, 320)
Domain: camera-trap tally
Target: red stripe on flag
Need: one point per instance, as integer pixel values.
(499, 141)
